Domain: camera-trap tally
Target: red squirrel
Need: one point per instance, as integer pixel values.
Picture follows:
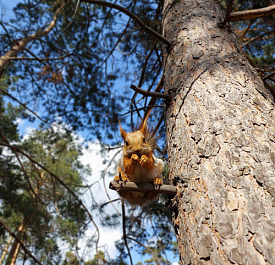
(138, 164)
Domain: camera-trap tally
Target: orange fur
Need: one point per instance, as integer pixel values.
(138, 164)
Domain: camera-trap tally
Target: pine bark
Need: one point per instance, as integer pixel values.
(220, 127)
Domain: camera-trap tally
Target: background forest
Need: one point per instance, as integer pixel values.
(66, 71)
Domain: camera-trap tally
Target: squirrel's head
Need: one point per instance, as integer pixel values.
(136, 142)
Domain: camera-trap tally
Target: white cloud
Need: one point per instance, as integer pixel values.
(20, 122)
(29, 130)
(92, 157)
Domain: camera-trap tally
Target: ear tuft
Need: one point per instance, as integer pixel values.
(122, 132)
(144, 123)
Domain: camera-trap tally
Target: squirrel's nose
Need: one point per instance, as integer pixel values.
(137, 151)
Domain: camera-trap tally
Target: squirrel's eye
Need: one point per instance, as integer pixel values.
(143, 139)
(126, 143)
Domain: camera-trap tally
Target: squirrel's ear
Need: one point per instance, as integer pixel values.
(122, 132)
(144, 124)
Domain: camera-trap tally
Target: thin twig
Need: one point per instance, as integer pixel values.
(250, 14)
(133, 16)
(143, 108)
(124, 230)
(268, 76)
(118, 41)
(257, 37)
(158, 88)
(247, 28)
(148, 248)
(73, 17)
(22, 104)
(111, 201)
(104, 182)
(141, 79)
(21, 164)
(39, 59)
(8, 35)
(149, 93)
(158, 125)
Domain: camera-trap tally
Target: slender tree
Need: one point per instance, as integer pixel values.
(33, 203)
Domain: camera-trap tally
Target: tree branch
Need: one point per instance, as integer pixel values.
(269, 75)
(259, 36)
(228, 11)
(124, 231)
(133, 186)
(20, 243)
(149, 93)
(250, 14)
(22, 104)
(133, 16)
(14, 148)
(23, 43)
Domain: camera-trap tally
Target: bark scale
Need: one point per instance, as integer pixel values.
(220, 127)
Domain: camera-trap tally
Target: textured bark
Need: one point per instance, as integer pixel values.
(221, 140)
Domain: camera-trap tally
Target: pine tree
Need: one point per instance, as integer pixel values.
(210, 65)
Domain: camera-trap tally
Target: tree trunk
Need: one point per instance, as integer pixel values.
(15, 247)
(221, 140)
(5, 251)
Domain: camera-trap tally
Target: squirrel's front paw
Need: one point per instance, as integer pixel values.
(157, 181)
(121, 177)
(144, 160)
(135, 157)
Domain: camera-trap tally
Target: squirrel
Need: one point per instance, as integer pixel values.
(138, 164)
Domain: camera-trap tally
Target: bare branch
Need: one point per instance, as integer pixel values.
(22, 104)
(104, 175)
(133, 186)
(111, 201)
(150, 94)
(269, 75)
(21, 164)
(228, 11)
(118, 41)
(40, 59)
(259, 36)
(250, 14)
(141, 79)
(149, 249)
(133, 16)
(124, 231)
(247, 29)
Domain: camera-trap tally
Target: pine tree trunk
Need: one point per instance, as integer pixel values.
(5, 251)
(15, 247)
(221, 141)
